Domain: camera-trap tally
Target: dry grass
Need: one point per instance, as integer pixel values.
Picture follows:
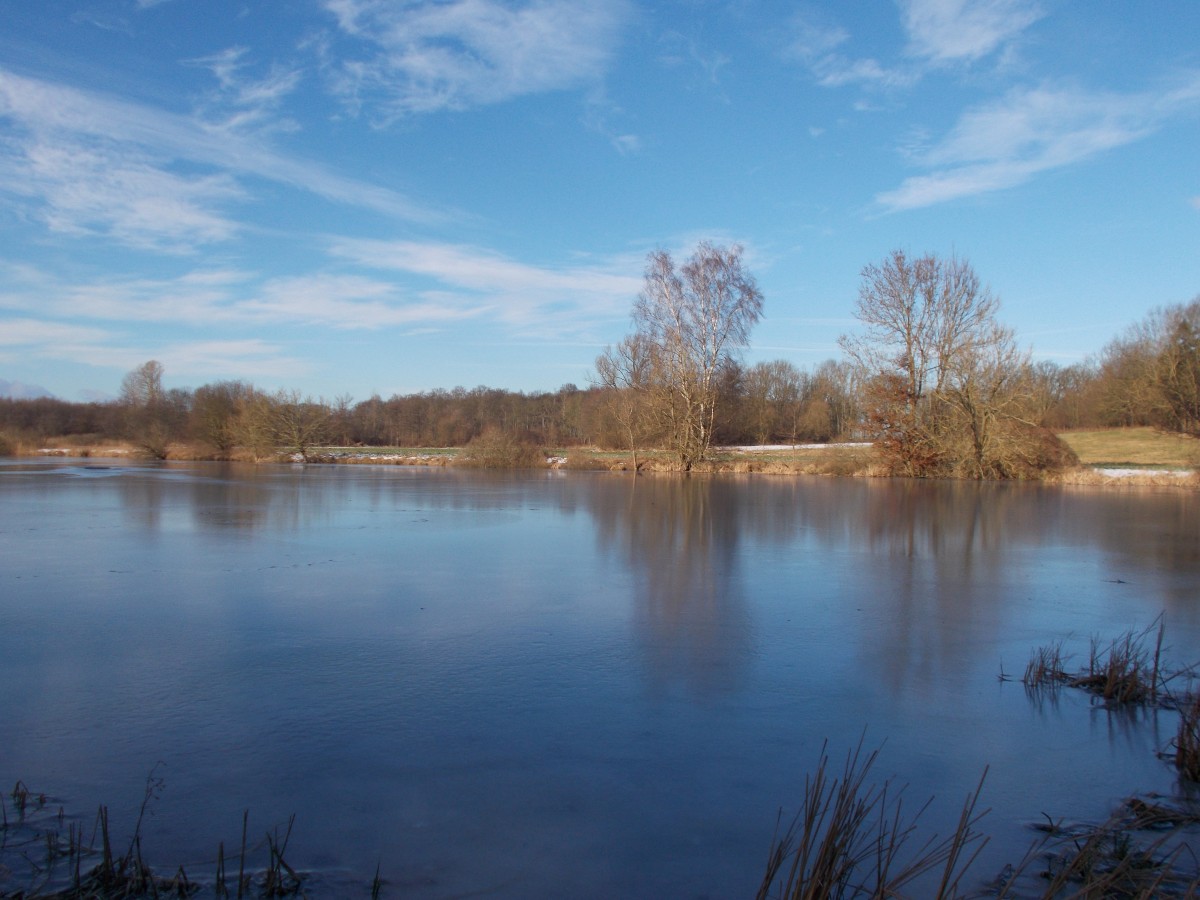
(1187, 741)
(836, 460)
(1175, 478)
(57, 859)
(1127, 670)
(851, 839)
(1106, 860)
(1046, 668)
(1133, 447)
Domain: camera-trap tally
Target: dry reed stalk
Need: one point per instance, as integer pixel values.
(849, 839)
(1187, 741)
(1046, 667)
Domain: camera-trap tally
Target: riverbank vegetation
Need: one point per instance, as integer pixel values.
(931, 378)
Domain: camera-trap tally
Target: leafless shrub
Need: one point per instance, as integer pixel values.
(497, 449)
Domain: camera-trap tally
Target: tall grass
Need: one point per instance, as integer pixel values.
(853, 838)
(58, 860)
(1129, 671)
(1187, 741)
(1126, 671)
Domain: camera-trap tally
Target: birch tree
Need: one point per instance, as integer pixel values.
(691, 322)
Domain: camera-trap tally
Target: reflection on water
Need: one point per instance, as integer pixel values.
(563, 683)
(680, 541)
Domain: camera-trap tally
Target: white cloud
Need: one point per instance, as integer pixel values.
(349, 302)
(35, 332)
(550, 300)
(964, 30)
(599, 115)
(243, 101)
(1006, 143)
(99, 189)
(938, 32)
(201, 360)
(229, 298)
(197, 299)
(144, 176)
(251, 358)
(427, 56)
(816, 44)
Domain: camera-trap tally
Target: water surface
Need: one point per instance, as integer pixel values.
(563, 684)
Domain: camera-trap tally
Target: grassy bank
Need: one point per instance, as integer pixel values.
(1133, 448)
(1132, 456)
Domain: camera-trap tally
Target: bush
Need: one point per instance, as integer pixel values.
(497, 449)
(8, 446)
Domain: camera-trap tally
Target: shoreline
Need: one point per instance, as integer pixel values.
(843, 459)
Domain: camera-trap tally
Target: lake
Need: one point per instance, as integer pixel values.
(577, 684)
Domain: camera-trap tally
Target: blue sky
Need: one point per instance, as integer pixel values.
(377, 196)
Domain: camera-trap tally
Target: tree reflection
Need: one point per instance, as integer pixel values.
(679, 537)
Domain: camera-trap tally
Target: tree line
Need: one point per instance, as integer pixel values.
(931, 375)
(765, 403)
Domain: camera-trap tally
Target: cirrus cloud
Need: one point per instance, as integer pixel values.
(423, 57)
(1031, 130)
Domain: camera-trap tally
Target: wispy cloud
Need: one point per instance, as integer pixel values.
(938, 32)
(352, 302)
(230, 298)
(118, 348)
(816, 43)
(251, 358)
(546, 299)
(243, 101)
(600, 114)
(200, 360)
(95, 188)
(964, 30)
(416, 285)
(147, 177)
(36, 332)
(426, 56)
(1032, 130)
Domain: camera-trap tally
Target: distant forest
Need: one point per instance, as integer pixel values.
(1148, 376)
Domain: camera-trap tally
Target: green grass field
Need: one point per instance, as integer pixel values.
(1133, 447)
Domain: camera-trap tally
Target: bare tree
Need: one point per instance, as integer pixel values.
(253, 424)
(1177, 367)
(774, 395)
(298, 423)
(142, 387)
(152, 414)
(948, 390)
(623, 372)
(990, 397)
(215, 412)
(690, 323)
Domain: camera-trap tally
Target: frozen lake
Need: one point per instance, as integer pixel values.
(562, 684)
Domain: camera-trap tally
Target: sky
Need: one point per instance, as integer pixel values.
(359, 197)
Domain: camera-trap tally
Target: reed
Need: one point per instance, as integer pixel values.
(852, 838)
(1187, 741)
(1126, 671)
(1047, 667)
(1105, 860)
(57, 860)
